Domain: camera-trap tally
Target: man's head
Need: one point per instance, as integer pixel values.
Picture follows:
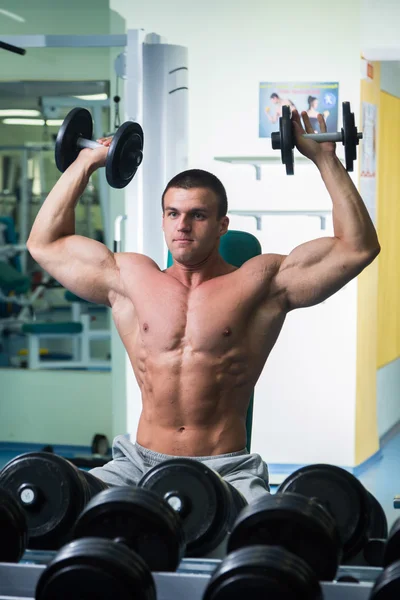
(194, 207)
(274, 98)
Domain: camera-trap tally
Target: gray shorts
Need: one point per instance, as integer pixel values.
(246, 472)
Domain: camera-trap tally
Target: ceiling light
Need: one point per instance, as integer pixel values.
(37, 122)
(19, 112)
(93, 97)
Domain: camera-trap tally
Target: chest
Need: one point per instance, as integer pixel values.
(213, 318)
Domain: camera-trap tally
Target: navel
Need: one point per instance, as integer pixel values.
(227, 332)
(145, 327)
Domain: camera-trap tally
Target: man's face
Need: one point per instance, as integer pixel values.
(190, 224)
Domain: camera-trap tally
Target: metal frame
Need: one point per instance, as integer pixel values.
(258, 214)
(19, 581)
(65, 41)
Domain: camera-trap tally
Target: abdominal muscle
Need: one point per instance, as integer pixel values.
(193, 406)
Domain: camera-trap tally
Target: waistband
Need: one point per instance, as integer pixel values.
(157, 457)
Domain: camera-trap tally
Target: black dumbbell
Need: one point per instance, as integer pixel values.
(281, 546)
(371, 555)
(343, 495)
(13, 529)
(96, 568)
(284, 140)
(205, 502)
(125, 153)
(121, 536)
(261, 572)
(299, 524)
(51, 493)
(387, 585)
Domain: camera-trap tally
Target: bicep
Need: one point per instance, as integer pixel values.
(316, 270)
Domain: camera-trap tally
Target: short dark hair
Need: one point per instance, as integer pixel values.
(197, 178)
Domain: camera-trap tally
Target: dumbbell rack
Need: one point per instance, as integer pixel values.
(18, 581)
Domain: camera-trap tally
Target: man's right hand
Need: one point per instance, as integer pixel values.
(96, 158)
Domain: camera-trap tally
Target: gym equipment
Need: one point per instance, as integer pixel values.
(263, 572)
(387, 585)
(284, 140)
(51, 493)
(96, 568)
(392, 549)
(13, 529)
(206, 504)
(125, 153)
(100, 444)
(300, 525)
(96, 485)
(343, 495)
(139, 519)
(373, 552)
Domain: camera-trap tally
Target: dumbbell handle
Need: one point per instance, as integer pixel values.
(84, 143)
(327, 137)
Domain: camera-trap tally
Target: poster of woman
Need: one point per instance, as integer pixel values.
(314, 98)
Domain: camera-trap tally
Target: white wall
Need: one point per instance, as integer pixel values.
(307, 393)
(380, 24)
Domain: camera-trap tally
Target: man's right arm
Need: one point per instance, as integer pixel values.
(82, 265)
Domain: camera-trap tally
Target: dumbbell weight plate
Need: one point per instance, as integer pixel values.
(344, 497)
(139, 518)
(299, 524)
(199, 495)
(51, 492)
(78, 123)
(287, 140)
(350, 136)
(378, 521)
(96, 568)
(239, 501)
(13, 529)
(96, 485)
(261, 572)
(125, 154)
(392, 550)
(387, 585)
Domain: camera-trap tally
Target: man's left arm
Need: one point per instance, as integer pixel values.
(317, 269)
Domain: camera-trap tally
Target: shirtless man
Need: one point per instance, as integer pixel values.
(199, 333)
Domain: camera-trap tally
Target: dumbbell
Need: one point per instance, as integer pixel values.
(125, 153)
(281, 546)
(120, 538)
(206, 503)
(51, 492)
(284, 140)
(387, 585)
(357, 514)
(13, 529)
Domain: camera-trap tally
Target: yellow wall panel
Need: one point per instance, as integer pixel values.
(366, 435)
(389, 229)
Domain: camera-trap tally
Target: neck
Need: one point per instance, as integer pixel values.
(192, 275)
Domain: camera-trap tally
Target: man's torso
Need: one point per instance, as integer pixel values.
(197, 354)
